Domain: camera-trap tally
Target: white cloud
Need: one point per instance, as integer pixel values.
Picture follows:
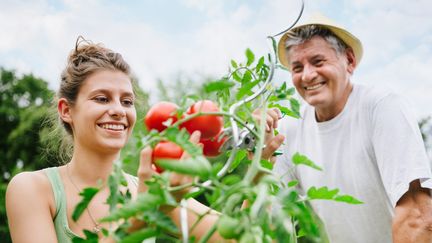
(396, 36)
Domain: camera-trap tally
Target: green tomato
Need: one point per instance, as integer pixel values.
(228, 227)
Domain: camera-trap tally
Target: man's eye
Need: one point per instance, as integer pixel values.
(318, 62)
(296, 69)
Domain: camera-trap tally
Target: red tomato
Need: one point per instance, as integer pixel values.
(158, 114)
(208, 125)
(165, 150)
(211, 146)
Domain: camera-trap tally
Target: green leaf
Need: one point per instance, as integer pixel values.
(161, 220)
(144, 202)
(231, 179)
(295, 106)
(259, 64)
(250, 57)
(322, 193)
(266, 164)
(246, 89)
(87, 195)
(196, 166)
(181, 138)
(90, 237)
(347, 199)
(274, 45)
(298, 159)
(139, 236)
(241, 154)
(234, 64)
(293, 183)
(218, 85)
(285, 111)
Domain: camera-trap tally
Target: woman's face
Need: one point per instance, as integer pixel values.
(104, 114)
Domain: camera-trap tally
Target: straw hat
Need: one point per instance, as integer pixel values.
(338, 30)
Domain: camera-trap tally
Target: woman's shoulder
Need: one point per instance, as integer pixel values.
(30, 184)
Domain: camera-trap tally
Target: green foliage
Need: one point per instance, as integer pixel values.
(24, 105)
(87, 195)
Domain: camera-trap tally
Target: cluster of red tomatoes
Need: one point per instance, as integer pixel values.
(210, 126)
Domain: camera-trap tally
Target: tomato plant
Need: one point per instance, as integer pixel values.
(160, 114)
(165, 150)
(212, 146)
(209, 125)
(221, 183)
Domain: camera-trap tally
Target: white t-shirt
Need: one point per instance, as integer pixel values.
(372, 150)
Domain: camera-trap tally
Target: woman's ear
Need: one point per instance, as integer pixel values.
(64, 110)
(351, 60)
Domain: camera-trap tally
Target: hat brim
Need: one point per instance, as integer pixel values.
(340, 32)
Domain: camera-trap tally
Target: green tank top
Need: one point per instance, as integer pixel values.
(61, 225)
(64, 233)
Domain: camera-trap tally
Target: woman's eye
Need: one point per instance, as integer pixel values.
(128, 102)
(101, 99)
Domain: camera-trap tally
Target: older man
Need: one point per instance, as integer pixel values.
(366, 140)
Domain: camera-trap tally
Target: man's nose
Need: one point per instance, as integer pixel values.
(309, 73)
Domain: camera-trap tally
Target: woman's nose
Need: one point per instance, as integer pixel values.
(117, 110)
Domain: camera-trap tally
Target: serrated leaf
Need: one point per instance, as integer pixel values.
(196, 166)
(87, 195)
(139, 236)
(322, 193)
(284, 110)
(246, 88)
(217, 85)
(299, 159)
(347, 199)
(250, 57)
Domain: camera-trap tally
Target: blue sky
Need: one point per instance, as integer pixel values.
(199, 37)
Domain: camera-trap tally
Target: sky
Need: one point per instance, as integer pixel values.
(198, 38)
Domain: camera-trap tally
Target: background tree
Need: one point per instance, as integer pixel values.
(24, 105)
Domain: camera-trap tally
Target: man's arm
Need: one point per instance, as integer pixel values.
(412, 221)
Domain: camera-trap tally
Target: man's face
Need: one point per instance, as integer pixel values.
(321, 75)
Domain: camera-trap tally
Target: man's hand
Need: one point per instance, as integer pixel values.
(412, 221)
(272, 142)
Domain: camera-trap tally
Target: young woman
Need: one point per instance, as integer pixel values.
(95, 105)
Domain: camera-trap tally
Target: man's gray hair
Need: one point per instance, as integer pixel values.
(306, 33)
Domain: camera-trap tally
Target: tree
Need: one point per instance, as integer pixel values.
(24, 105)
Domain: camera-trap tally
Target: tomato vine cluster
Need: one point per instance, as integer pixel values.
(196, 118)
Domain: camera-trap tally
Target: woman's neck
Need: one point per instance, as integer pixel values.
(90, 168)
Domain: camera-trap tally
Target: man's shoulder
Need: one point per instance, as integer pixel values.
(370, 96)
